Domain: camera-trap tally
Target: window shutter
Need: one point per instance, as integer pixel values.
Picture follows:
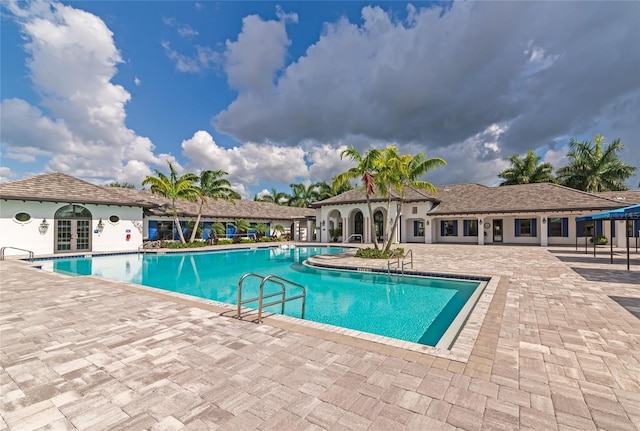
(598, 227)
(548, 226)
(455, 228)
(565, 227)
(153, 229)
(465, 227)
(579, 228)
(517, 229)
(441, 227)
(613, 228)
(415, 228)
(534, 227)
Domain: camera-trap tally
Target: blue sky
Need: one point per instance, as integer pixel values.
(272, 92)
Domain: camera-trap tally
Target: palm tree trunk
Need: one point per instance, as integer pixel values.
(373, 224)
(195, 227)
(393, 228)
(179, 227)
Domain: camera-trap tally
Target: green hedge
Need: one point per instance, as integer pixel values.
(372, 253)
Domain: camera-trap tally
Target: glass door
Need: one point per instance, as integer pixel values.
(73, 235)
(497, 230)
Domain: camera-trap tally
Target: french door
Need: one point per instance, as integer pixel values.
(73, 235)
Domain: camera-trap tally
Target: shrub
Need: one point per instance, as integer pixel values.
(177, 245)
(599, 239)
(246, 241)
(265, 239)
(372, 253)
(224, 242)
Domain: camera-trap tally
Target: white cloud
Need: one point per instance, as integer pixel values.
(137, 81)
(203, 59)
(252, 61)
(436, 80)
(187, 31)
(72, 59)
(246, 164)
(6, 174)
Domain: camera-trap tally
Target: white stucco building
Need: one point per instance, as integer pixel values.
(56, 213)
(529, 214)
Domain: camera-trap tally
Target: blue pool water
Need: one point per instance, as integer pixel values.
(416, 309)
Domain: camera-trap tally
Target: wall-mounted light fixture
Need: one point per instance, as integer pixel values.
(427, 222)
(100, 226)
(44, 226)
(323, 222)
(544, 220)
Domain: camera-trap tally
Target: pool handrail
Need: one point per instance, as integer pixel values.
(400, 261)
(282, 282)
(31, 254)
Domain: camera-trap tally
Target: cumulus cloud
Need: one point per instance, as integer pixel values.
(71, 61)
(250, 164)
(252, 61)
(436, 80)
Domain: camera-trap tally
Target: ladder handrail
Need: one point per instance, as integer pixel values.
(31, 254)
(400, 261)
(282, 282)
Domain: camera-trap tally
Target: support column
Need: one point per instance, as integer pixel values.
(480, 231)
(296, 230)
(345, 229)
(310, 232)
(428, 230)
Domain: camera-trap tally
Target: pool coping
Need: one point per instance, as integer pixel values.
(462, 350)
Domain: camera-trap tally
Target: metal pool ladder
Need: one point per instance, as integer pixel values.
(31, 254)
(282, 292)
(400, 261)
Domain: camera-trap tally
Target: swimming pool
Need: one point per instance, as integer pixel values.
(410, 308)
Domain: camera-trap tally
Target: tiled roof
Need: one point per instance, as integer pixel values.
(220, 208)
(474, 198)
(58, 187)
(358, 195)
(479, 199)
(626, 198)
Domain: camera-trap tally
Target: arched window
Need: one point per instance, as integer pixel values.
(358, 223)
(73, 211)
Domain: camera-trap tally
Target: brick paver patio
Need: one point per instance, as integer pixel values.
(558, 348)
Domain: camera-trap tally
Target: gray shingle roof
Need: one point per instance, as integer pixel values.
(222, 209)
(626, 198)
(474, 198)
(58, 187)
(479, 199)
(358, 195)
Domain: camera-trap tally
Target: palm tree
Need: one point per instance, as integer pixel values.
(368, 166)
(302, 196)
(174, 188)
(213, 185)
(593, 168)
(124, 185)
(242, 226)
(276, 197)
(400, 172)
(526, 170)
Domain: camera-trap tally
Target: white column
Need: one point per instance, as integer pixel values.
(345, 229)
(621, 234)
(309, 230)
(544, 239)
(428, 230)
(480, 231)
(296, 230)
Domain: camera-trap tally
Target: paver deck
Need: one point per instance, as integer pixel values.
(558, 348)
